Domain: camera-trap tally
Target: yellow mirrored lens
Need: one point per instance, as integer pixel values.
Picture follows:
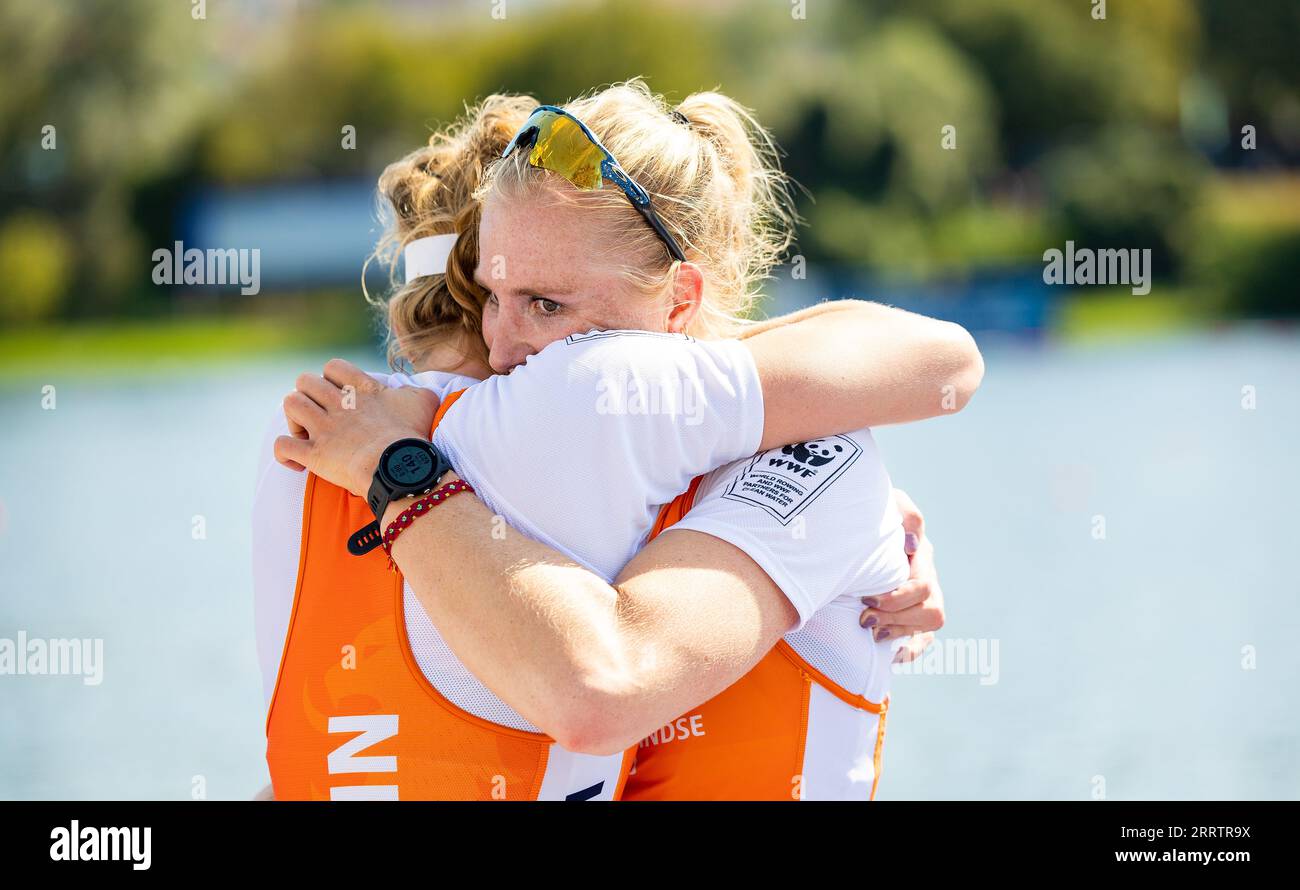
(563, 148)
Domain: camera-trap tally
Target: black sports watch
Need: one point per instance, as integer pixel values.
(407, 467)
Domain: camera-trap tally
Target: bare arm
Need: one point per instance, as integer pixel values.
(849, 364)
(596, 666)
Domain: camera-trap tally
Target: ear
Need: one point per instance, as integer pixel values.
(688, 293)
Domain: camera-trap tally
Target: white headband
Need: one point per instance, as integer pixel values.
(427, 256)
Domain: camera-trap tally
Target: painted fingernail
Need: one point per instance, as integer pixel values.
(909, 543)
(882, 635)
(870, 622)
(871, 602)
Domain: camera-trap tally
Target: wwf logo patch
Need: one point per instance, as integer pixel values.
(784, 481)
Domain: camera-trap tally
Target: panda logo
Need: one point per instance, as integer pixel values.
(817, 453)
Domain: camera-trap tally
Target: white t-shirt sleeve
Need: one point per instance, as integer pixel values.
(590, 435)
(818, 517)
(277, 539)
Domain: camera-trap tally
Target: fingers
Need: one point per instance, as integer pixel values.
(922, 620)
(915, 619)
(343, 373)
(319, 390)
(293, 453)
(907, 594)
(913, 521)
(303, 411)
(918, 618)
(914, 609)
(426, 397)
(913, 647)
(922, 561)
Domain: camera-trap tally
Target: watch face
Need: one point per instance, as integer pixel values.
(409, 466)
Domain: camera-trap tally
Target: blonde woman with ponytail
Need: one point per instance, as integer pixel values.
(725, 655)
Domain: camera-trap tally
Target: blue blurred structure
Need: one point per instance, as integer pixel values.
(311, 234)
(1010, 300)
(1014, 301)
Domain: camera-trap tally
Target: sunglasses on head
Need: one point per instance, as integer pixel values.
(559, 142)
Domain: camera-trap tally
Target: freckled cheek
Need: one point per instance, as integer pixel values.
(533, 334)
(556, 329)
(537, 334)
(490, 321)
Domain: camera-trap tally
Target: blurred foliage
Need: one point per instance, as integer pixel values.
(1255, 64)
(1117, 311)
(34, 265)
(1255, 276)
(257, 329)
(1106, 132)
(1127, 187)
(1245, 245)
(119, 84)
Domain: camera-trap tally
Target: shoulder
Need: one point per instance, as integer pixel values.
(441, 383)
(276, 425)
(276, 527)
(276, 484)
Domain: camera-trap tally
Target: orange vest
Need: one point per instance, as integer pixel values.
(748, 742)
(354, 717)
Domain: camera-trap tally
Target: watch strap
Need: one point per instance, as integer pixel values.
(365, 539)
(378, 497)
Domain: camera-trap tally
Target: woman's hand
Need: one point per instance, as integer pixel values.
(915, 608)
(349, 418)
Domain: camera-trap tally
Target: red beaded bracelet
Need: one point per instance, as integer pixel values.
(419, 508)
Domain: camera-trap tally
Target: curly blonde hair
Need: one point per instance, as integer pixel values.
(431, 192)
